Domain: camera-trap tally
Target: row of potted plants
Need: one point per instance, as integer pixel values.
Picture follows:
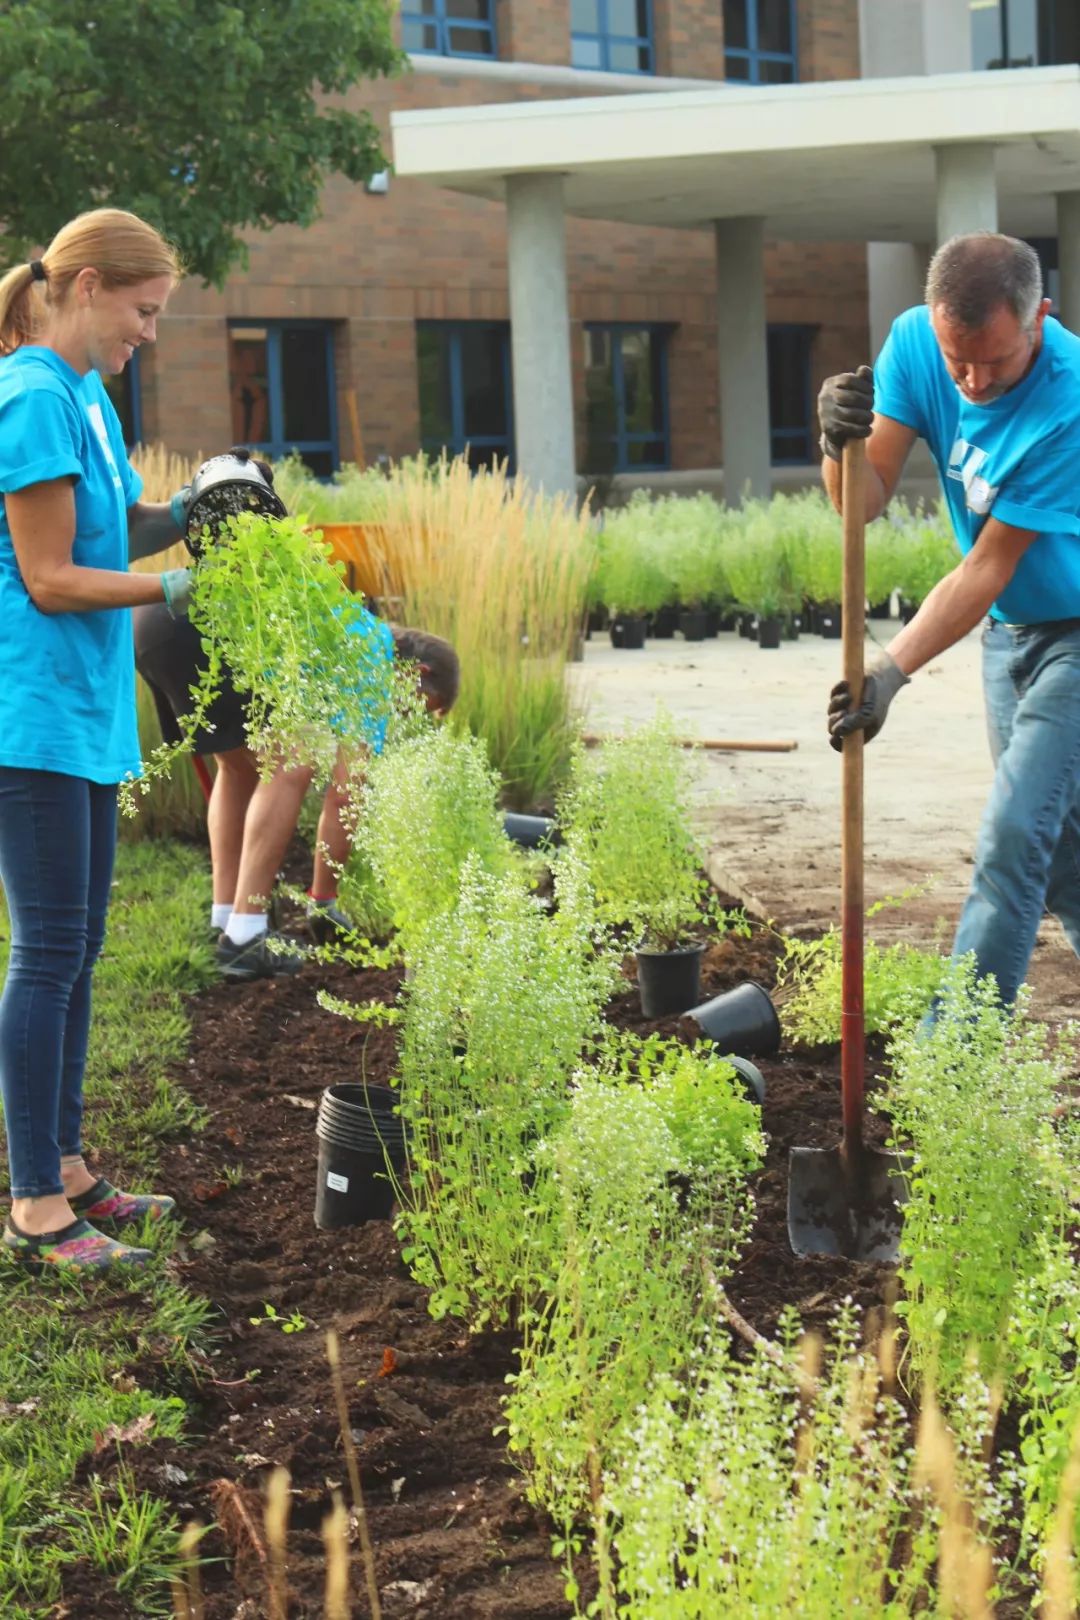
(769, 559)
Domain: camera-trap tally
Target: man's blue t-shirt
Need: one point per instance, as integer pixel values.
(1017, 458)
(67, 680)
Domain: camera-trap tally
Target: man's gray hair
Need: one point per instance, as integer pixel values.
(970, 277)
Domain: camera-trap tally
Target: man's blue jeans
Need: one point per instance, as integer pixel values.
(57, 843)
(1028, 854)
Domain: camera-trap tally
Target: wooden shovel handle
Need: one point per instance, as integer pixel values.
(852, 1020)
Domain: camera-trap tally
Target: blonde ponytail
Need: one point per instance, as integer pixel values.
(121, 247)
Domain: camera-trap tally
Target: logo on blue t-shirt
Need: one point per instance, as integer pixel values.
(965, 462)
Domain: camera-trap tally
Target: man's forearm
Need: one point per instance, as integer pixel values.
(953, 608)
(832, 478)
(151, 528)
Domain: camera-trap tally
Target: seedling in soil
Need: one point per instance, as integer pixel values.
(296, 1322)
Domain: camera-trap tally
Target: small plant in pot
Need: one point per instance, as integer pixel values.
(626, 823)
(757, 568)
(629, 577)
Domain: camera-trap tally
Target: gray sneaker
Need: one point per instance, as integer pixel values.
(268, 956)
(327, 925)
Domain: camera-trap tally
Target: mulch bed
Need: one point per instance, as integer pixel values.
(454, 1536)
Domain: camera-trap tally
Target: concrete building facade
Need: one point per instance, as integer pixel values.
(386, 327)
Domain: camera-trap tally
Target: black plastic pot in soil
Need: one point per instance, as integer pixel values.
(768, 633)
(669, 981)
(828, 621)
(628, 633)
(665, 622)
(752, 1078)
(531, 832)
(694, 624)
(742, 1021)
(359, 1136)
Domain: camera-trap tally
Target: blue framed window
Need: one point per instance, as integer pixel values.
(465, 390)
(281, 390)
(626, 398)
(614, 36)
(791, 406)
(449, 27)
(125, 391)
(1024, 33)
(759, 41)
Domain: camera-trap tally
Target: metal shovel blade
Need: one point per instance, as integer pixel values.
(842, 1206)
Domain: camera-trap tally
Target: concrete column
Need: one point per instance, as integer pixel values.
(966, 190)
(744, 370)
(540, 332)
(1068, 230)
(897, 278)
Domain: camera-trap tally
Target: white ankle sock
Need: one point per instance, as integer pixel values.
(220, 912)
(243, 928)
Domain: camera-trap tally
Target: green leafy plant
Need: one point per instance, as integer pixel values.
(625, 815)
(426, 807)
(756, 562)
(926, 552)
(899, 981)
(971, 1102)
(502, 1001)
(630, 577)
(627, 1307)
(295, 1322)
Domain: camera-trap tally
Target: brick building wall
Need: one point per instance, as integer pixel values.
(374, 265)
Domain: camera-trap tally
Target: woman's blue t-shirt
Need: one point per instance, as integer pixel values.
(67, 680)
(1016, 458)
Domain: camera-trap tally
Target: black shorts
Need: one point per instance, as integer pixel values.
(170, 659)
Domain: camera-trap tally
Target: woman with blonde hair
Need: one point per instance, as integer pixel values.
(71, 518)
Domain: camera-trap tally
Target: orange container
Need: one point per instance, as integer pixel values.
(351, 543)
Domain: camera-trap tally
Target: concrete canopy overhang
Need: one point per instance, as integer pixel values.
(851, 160)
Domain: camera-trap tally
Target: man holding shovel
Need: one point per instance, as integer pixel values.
(992, 383)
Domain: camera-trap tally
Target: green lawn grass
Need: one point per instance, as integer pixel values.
(77, 1358)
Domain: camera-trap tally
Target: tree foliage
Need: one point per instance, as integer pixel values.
(207, 117)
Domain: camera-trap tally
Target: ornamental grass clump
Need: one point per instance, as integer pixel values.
(926, 551)
(628, 1306)
(688, 545)
(971, 1100)
(502, 1002)
(625, 815)
(504, 574)
(427, 806)
(631, 577)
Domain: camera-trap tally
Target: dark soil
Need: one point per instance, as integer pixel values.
(454, 1536)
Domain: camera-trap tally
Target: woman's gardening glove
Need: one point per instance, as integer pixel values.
(179, 506)
(881, 683)
(845, 409)
(176, 583)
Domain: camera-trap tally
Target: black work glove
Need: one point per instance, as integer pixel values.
(881, 683)
(845, 409)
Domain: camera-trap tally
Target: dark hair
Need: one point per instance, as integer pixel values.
(971, 277)
(441, 674)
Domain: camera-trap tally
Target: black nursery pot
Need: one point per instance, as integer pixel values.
(829, 625)
(880, 610)
(531, 832)
(628, 633)
(669, 981)
(768, 633)
(752, 1078)
(665, 622)
(694, 624)
(357, 1132)
(742, 1021)
(908, 610)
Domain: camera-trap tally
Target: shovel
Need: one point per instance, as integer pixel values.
(846, 1200)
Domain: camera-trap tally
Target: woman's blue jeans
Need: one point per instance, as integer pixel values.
(1028, 854)
(57, 844)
